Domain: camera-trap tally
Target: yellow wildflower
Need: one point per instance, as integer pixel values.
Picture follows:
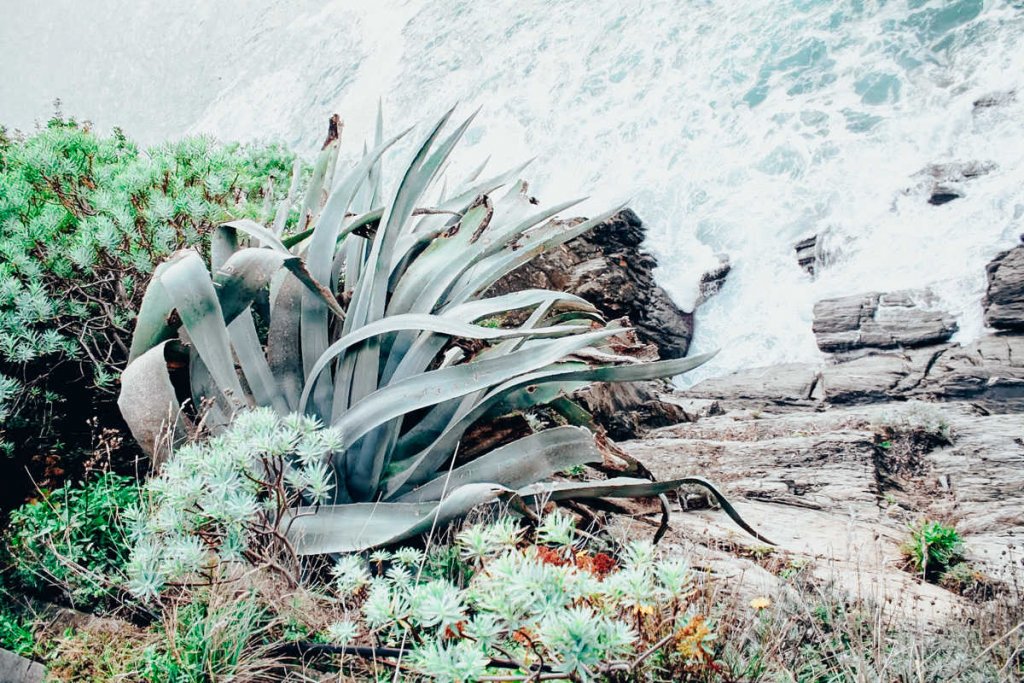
(760, 603)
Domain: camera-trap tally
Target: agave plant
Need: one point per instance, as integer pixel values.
(353, 320)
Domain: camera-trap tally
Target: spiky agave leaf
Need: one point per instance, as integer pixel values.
(351, 321)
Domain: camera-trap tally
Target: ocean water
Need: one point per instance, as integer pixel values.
(732, 127)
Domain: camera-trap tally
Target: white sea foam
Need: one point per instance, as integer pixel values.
(734, 127)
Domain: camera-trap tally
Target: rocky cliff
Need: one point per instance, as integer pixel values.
(608, 268)
(833, 461)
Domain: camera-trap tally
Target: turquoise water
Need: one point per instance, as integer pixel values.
(734, 127)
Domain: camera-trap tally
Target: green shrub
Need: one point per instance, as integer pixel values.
(933, 548)
(15, 629)
(74, 539)
(84, 218)
(215, 506)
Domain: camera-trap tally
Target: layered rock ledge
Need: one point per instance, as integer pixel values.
(834, 460)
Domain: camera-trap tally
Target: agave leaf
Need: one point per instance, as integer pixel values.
(495, 267)
(254, 229)
(431, 388)
(223, 243)
(488, 186)
(411, 321)
(281, 218)
(416, 359)
(243, 275)
(479, 309)
(283, 349)
(421, 465)
(440, 267)
(358, 376)
(355, 527)
(311, 202)
(368, 302)
(152, 324)
(255, 368)
(149, 405)
(627, 487)
(190, 290)
(320, 257)
(366, 222)
(515, 465)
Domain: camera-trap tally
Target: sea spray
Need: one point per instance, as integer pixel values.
(735, 128)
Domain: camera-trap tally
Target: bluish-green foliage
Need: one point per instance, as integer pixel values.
(554, 600)
(84, 218)
(74, 539)
(216, 504)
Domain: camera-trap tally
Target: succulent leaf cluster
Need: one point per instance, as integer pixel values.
(218, 504)
(540, 605)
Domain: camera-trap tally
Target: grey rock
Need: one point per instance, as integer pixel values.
(816, 483)
(817, 252)
(878, 320)
(695, 408)
(628, 410)
(16, 669)
(994, 99)
(868, 379)
(989, 372)
(607, 267)
(943, 183)
(712, 281)
(1004, 300)
(807, 254)
(787, 384)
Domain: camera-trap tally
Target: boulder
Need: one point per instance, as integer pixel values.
(878, 321)
(943, 183)
(1004, 300)
(608, 268)
(787, 384)
(16, 669)
(869, 379)
(628, 410)
(712, 281)
(991, 100)
(807, 254)
(988, 372)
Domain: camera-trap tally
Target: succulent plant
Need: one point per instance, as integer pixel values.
(351, 320)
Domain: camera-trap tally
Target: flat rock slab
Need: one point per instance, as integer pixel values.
(784, 384)
(879, 320)
(17, 669)
(818, 484)
(989, 372)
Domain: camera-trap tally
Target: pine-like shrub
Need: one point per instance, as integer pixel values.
(84, 218)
